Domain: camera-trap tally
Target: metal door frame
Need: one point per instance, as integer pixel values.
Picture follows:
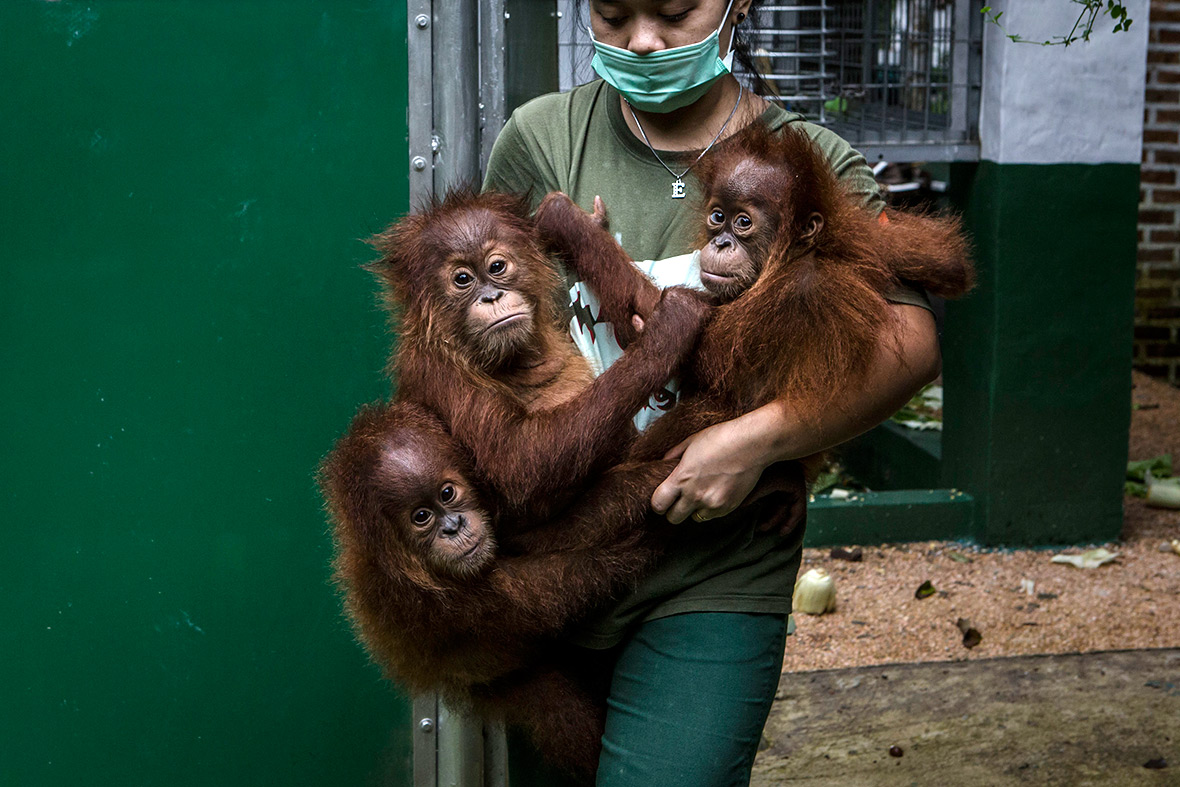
(456, 107)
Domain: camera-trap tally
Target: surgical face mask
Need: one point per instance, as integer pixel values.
(668, 79)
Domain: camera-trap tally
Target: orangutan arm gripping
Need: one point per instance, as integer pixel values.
(587, 247)
(533, 458)
(592, 552)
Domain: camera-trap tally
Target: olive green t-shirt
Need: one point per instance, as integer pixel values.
(578, 142)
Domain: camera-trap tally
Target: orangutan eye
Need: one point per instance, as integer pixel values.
(447, 494)
(462, 279)
(743, 222)
(422, 516)
(497, 267)
(717, 217)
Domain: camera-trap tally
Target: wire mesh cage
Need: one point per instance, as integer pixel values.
(900, 79)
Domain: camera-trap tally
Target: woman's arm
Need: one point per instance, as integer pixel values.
(720, 465)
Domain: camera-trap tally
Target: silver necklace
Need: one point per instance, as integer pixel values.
(678, 183)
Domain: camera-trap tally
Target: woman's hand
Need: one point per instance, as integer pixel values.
(720, 465)
(718, 468)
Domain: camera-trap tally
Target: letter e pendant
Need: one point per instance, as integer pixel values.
(678, 189)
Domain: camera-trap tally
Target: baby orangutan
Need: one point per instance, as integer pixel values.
(443, 607)
(482, 345)
(802, 272)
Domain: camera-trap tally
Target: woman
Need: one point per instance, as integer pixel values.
(700, 644)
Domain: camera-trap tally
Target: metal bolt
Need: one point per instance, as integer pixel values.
(418, 163)
(422, 20)
(426, 725)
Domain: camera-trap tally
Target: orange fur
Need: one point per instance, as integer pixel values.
(810, 325)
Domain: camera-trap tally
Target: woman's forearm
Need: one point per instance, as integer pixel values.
(778, 431)
(719, 466)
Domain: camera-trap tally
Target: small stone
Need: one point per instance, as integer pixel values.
(896, 751)
(1158, 764)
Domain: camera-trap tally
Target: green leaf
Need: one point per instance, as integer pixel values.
(985, 9)
(925, 590)
(1134, 489)
(1160, 467)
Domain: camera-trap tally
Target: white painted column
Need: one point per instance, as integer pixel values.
(1080, 104)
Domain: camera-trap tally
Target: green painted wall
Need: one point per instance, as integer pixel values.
(183, 332)
(1037, 361)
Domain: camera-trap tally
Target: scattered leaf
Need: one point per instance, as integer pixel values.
(1159, 466)
(825, 481)
(925, 590)
(959, 557)
(971, 635)
(854, 555)
(921, 425)
(923, 411)
(1092, 559)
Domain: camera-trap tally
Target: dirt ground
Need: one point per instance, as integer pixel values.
(1020, 602)
(1083, 720)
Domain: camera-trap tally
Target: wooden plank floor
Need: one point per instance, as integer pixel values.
(1077, 720)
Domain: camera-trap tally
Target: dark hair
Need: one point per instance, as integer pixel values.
(742, 54)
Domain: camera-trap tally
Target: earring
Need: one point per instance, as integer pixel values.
(741, 18)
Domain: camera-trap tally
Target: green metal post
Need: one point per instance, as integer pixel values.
(1037, 361)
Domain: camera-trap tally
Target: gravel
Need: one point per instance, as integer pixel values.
(1018, 601)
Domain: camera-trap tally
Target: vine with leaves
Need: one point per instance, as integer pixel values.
(1083, 26)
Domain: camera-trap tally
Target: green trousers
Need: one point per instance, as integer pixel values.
(689, 697)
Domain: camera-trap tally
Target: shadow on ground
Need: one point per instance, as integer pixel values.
(1077, 719)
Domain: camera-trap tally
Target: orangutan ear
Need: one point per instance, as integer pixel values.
(813, 227)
